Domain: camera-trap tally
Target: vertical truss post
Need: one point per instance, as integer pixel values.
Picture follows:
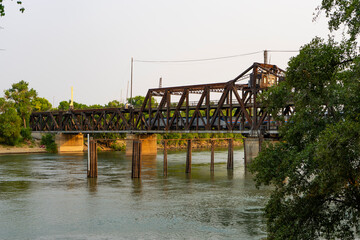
(168, 105)
(207, 103)
(150, 112)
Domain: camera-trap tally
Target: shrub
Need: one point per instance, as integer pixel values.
(117, 146)
(49, 141)
(26, 133)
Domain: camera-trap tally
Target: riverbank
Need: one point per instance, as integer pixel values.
(120, 145)
(27, 147)
(197, 143)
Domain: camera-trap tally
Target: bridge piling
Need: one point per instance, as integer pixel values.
(92, 161)
(252, 147)
(136, 159)
(230, 160)
(165, 159)
(188, 156)
(212, 167)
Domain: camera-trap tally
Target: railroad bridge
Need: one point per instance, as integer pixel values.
(231, 107)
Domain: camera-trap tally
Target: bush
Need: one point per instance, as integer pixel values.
(49, 141)
(118, 146)
(26, 133)
(10, 128)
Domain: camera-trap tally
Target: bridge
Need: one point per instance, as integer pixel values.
(228, 107)
(231, 106)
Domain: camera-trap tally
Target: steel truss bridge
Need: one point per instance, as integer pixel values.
(235, 108)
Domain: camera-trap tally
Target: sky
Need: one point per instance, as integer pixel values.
(88, 45)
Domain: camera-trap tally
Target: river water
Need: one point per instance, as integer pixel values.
(47, 196)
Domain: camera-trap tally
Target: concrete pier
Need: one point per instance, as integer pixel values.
(252, 147)
(148, 142)
(69, 142)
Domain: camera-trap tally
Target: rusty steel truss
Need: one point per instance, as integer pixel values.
(236, 109)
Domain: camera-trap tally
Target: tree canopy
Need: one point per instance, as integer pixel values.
(2, 8)
(315, 168)
(318, 155)
(22, 97)
(345, 13)
(10, 123)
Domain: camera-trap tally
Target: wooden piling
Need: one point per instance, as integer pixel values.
(92, 163)
(165, 159)
(136, 159)
(212, 167)
(230, 160)
(188, 156)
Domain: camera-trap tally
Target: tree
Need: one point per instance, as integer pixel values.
(10, 123)
(345, 13)
(316, 167)
(114, 104)
(139, 100)
(21, 96)
(2, 8)
(40, 104)
(95, 106)
(64, 106)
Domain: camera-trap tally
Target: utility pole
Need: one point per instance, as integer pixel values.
(132, 69)
(160, 82)
(266, 56)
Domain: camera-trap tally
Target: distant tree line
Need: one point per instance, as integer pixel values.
(20, 101)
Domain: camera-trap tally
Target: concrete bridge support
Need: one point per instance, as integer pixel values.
(252, 147)
(148, 143)
(69, 142)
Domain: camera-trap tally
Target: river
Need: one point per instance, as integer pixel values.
(47, 196)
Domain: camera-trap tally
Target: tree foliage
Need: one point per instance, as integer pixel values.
(345, 13)
(316, 167)
(139, 100)
(2, 8)
(22, 97)
(40, 104)
(10, 123)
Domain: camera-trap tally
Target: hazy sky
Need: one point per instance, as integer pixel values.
(57, 44)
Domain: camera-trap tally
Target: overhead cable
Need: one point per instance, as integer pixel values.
(196, 60)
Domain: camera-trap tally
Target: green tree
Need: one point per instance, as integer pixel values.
(316, 167)
(10, 123)
(139, 100)
(21, 96)
(40, 104)
(346, 13)
(95, 106)
(64, 106)
(114, 104)
(2, 8)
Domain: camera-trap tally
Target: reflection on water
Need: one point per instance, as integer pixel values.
(49, 197)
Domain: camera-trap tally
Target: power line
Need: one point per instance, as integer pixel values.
(210, 59)
(283, 50)
(197, 60)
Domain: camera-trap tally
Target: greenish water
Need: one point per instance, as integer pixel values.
(46, 196)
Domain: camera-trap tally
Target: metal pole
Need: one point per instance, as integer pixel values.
(265, 56)
(132, 69)
(88, 143)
